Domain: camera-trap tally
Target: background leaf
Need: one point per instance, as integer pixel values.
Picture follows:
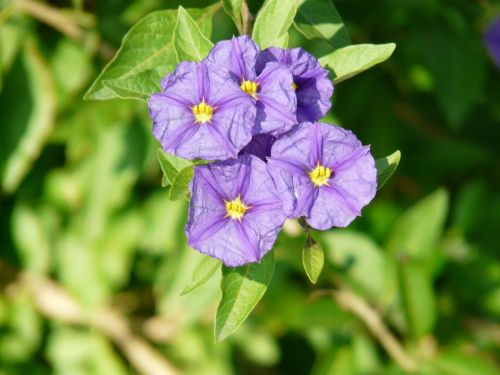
(233, 9)
(349, 61)
(272, 23)
(318, 19)
(242, 288)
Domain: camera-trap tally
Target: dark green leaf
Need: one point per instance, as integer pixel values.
(204, 270)
(318, 19)
(349, 61)
(272, 23)
(180, 185)
(386, 167)
(312, 259)
(242, 288)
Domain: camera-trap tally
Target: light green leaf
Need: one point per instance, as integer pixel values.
(233, 9)
(416, 232)
(171, 165)
(349, 61)
(386, 167)
(273, 21)
(189, 43)
(180, 185)
(418, 297)
(242, 288)
(318, 19)
(27, 125)
(312, 259)
(204, 270)
(147, 53)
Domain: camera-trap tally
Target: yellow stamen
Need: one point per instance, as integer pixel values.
(295, 86)
(236, 208)
(320, 175)
(250, 88)
(203, 112)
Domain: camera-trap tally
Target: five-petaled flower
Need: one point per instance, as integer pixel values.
(235, 214)
(323, 173)
(271, 88)
(310, 80)
(201, 113)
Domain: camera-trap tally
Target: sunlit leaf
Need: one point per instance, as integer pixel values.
(171, 165)
(318, 19)
(242, 288)
(273, 21)
(351, 60)
(386, 167)
(233, 9)
(180, 185)
(189, 42)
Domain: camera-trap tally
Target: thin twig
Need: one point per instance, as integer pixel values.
(246, 18)
(55, 303)
(355, 304)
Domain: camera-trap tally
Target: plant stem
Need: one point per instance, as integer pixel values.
(246, 18)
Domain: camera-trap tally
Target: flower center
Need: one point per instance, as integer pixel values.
(202, 112)
(295, 86)
(250, 87)
(320, 175)
(236, 208)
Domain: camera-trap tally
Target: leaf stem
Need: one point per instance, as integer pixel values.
(246, 18)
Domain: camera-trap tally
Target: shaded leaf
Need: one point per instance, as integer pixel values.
(204, 270)
(312, 259)
(146, 54)
(180, 185)
(242, 288)
(171, 166)
(272, 23)
(189, 42)
(233, 9)
(318, 19)
(386, 167)
(349, 61)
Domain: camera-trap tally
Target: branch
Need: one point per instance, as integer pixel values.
(355, 304)
(55, 303)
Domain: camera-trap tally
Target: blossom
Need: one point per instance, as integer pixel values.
(492, 40)
(323, 173)
(260, 146)
(234, 213)
(312, 86)
(201, 113)
(271, 89)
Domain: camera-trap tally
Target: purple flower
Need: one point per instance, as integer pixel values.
(234, 213)
(312, 86)
(260, 146)
(492, 40)
(271, 89)
(201, 113)
(324, 173)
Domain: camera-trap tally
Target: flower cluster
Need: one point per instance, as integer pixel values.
(254, 113)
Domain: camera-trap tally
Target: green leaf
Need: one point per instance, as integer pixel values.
(171, 166)
(318, 19)
(204, 270)
(189, 42)
(418, 297)
(28, 122)
(180, 185)
(386, 167)
(417, 231)
(349, 61)
(242, 288)
(312, 259)
(146, 54)
(273, 21)
(233, 9)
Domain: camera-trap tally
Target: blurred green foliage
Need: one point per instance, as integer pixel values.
(82, 204)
